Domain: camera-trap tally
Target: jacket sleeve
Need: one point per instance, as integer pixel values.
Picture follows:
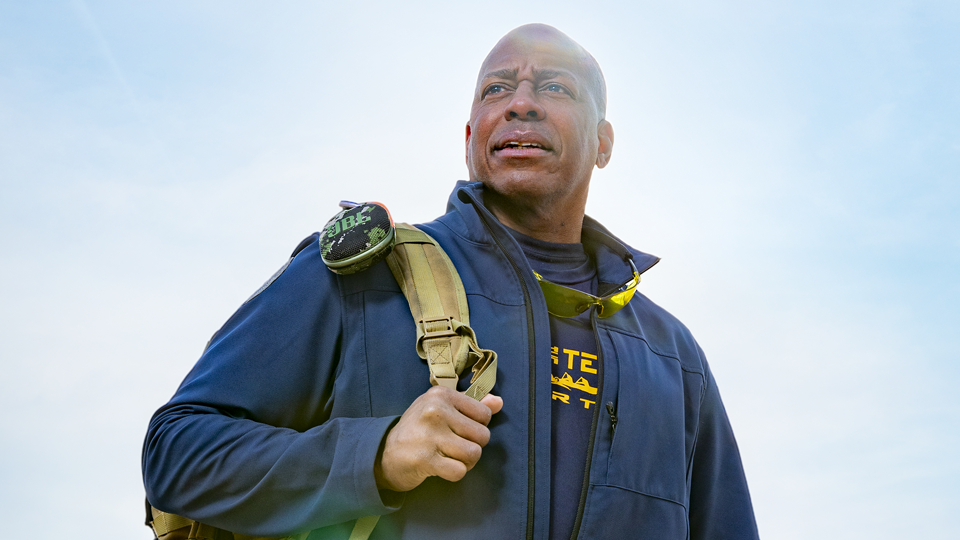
(720, 507)
(246, 443)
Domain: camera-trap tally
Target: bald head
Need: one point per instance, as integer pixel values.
(536, 37)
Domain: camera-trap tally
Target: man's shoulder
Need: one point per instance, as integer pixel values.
(305, 277)
(664, 334)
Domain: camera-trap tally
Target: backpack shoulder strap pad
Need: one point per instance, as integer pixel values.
(438, 304)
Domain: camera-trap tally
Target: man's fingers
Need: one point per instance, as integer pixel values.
(475, 416)
(472, 409)
(442, 433)
(470, 430)
(450, 469)
(494, 403)
(462, 451)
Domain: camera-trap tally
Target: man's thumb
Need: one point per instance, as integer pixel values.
(494, 403)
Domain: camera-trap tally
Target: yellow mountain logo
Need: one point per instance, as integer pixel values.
(567, 382)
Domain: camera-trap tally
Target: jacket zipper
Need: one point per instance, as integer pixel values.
(532, 356)
(613, 417)
(593, 429)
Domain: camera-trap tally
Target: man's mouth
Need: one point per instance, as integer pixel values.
(524, 145)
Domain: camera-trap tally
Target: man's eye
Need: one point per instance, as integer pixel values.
(554, 87)
(494, 89)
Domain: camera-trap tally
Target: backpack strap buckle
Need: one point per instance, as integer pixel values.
(436, 327)
(435, 343)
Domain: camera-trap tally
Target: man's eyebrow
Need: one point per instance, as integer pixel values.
(540, 74)
(501, 74)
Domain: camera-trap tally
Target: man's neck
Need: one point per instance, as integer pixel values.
(558, 225)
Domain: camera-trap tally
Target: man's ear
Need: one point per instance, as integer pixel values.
(605, 149)
(466, 148)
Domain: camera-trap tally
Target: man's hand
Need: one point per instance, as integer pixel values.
(440, 434)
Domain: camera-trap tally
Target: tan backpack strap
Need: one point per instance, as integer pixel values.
(363, 528)
(438, 304)
(167, 526)
(164, 522)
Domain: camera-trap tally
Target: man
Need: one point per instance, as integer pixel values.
(310, 408)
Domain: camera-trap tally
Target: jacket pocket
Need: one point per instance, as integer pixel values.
(657, 408)
(614, 512)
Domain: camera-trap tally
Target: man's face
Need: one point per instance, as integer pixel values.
(535, 131)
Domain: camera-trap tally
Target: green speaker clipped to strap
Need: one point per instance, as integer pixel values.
(358, 237)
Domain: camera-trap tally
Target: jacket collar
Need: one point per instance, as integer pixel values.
(478, 224)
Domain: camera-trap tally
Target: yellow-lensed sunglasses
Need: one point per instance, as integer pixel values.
(566, 302)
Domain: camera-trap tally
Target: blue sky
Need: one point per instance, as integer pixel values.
(796, 164)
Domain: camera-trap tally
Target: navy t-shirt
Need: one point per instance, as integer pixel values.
(574, 377)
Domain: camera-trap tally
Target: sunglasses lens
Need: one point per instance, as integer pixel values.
(564, 302)
(613, 304)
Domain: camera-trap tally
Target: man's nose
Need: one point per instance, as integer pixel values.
(525, 105)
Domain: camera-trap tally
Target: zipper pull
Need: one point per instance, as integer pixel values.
(613, 416)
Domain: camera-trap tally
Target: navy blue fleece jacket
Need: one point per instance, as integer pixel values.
(277, 427)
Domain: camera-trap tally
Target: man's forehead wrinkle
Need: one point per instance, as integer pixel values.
(534, 39)
(541, 74)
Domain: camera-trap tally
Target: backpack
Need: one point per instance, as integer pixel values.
(353, 240)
